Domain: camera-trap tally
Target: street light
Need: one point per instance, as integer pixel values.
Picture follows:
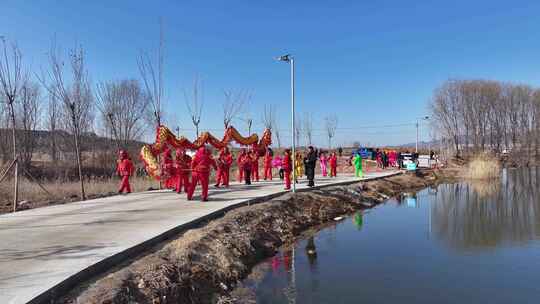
(289, 59)
(417, 119)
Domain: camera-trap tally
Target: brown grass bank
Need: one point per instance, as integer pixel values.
(205, 263)
(62, 192)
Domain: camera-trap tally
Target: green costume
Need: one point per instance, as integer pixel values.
(357, 162)
(358, 220)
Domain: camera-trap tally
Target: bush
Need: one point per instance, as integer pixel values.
(484, 167)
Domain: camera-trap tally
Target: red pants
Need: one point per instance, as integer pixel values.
(222, 177)
(333, 171)
(240, 174)
(196, 178)
(124, 184)
(182, 181)
(170, 182)
(267, 172)
(287, 180)
(255, 172)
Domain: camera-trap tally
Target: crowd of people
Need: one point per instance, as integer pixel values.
(183, 173)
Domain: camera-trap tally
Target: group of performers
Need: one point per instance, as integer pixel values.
(386, 158)
(183, 173)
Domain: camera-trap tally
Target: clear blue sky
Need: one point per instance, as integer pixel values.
(370, 62)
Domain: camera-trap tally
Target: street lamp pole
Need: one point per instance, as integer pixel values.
(289, 59)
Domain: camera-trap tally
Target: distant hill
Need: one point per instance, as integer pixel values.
(90, 142)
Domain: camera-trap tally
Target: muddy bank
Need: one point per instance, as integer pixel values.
(204, 263)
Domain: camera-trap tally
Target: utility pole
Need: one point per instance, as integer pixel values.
(417, 129)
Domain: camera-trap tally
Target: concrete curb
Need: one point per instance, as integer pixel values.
(61, 289)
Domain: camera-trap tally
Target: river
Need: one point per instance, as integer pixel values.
(456, 243)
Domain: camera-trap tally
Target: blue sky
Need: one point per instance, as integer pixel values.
(373, 63)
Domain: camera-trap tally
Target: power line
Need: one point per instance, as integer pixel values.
(320, 129)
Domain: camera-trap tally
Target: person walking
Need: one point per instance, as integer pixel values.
(357, 162)
(310, 162)
(247, 165)
(125, 170)
(287, 168)
(224, 162)
(254, 165)
(323, 162)
(239, 159)
(277, 163)
(182, 167)
(200, 166)
(268, 164)
(167, 169)
(332, 160)
(298, 166)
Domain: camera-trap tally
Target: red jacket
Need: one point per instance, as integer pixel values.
(183, 163)
(203, 161)
(268, 160)
(333, 161)
(125, 167)
(245, 161)
(167, 162)
(287, 163)
(225, 160)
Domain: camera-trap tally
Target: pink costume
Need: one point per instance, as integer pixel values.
(324, 162)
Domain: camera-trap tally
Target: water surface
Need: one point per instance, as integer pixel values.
(457, 243)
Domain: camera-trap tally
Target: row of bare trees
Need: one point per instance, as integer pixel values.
(488, 115)
(61, 100)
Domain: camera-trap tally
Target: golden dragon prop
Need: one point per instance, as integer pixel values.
(165, 138)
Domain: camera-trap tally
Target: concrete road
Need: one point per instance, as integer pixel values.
(44, 247)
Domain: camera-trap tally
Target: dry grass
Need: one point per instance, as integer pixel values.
(63, 192)
(484, 167)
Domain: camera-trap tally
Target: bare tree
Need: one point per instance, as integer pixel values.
(308, 127)
(194, 102)
(480, 115)
(444, 108)
(5, 135)
(153, 80)
(76, 98)
(330, 124)
(233, 104)
(298, 130)
(12, 79)
(28, 109)
(269, 120)
(52, 124)
(268, 116)
(122, 105)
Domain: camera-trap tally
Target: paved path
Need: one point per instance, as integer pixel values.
(43, 247)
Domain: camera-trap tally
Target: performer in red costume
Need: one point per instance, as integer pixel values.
(125, 170)
(287, 168)
(182, 167)
(254, 165)
(224, 162)
(239, 162)
(200, 166)
(167, 169)
(268, 164)
(333, 164)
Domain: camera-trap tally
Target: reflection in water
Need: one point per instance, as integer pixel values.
(358, 220)
(311, 252)
(495, 224)
(475, 216)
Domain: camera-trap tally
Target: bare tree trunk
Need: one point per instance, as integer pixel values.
(79, 165)
(14, 142)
